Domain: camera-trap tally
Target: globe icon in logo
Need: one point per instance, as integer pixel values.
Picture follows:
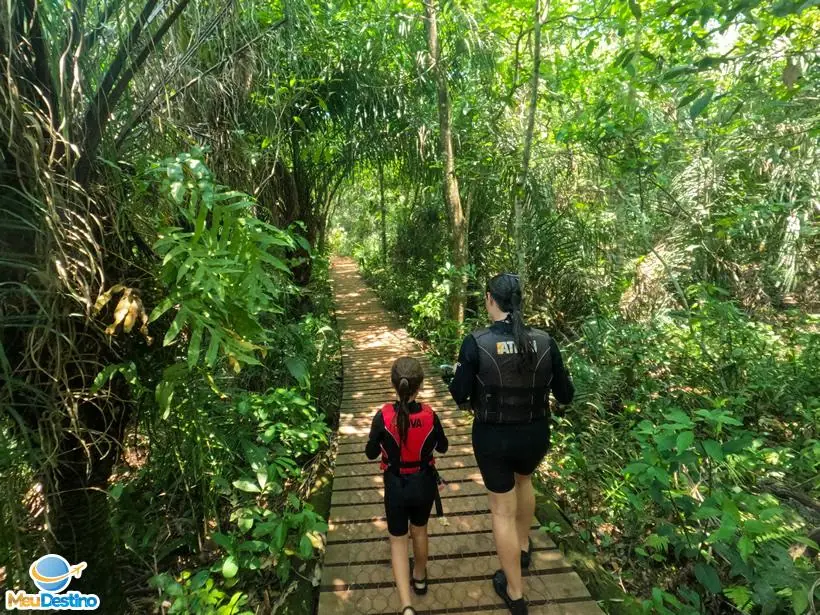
(51, 573)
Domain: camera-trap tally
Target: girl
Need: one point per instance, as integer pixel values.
(406, 433)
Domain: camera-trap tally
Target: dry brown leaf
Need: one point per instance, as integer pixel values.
(128, 312)
(234, 364)
(104, 298)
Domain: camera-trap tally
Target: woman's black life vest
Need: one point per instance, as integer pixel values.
(416, 453)
(509, 391)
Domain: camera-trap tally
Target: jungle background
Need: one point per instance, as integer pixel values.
(175, 175)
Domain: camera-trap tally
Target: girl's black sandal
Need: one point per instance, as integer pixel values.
(420, 587)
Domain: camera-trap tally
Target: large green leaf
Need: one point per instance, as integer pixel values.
(176, 326)
(194, 344)
(746, 547)
(297, 368)
(684, 441)
(229, 567)
(713, 449)
(708, 577)
(305, 548)
(700, 104)
(247, 486)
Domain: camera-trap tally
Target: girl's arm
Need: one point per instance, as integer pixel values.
(373, 447)
(442, 444)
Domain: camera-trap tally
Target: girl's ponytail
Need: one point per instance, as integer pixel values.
(403, 416)
(406, 376)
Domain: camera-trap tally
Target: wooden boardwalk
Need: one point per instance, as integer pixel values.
(357, 577)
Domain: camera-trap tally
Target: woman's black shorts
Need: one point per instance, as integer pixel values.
(408, 498)
(503, 450)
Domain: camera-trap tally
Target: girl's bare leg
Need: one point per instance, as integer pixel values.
(401, 567)
(419, 535)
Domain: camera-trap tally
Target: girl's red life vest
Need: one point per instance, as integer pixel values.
(421, 428)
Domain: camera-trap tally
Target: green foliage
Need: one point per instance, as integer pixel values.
(686, 473)
(17, 478)
(671, 243)
(221, 269)
(430, 320)
(200, 594)
(670, 235)
(683, 429)
(228, 460)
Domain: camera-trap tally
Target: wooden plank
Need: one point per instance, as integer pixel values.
(357, 448)
(443, 463)
(469, 521)
(360, 497)
(481, 564)
(471, 595)
(357, 456)
(375, 481)
(441, 546)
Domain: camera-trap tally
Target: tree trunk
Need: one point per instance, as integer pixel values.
(79, 498)
(304, 210)
(383, 213)
(321, 242)
(459, 224)
(521, 182)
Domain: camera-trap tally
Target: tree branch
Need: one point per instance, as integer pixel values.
(42, 70)
(97, 115)
(91, 38)
(146, 108)
(136, 65)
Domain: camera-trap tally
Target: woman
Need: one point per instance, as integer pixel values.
(406, 433)
(506, 372)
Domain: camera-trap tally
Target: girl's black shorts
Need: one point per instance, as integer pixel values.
(504, 450)
(408, 498)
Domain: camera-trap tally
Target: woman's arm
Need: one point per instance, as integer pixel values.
(374, 441)
(461, 387)
(561, 385)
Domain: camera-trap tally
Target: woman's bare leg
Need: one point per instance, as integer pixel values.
(525, 508)
(503, 507)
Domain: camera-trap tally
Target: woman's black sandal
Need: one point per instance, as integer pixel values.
(517, 607)
(526, 556)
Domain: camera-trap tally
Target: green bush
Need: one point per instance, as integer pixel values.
(231, 420)
(683, 432)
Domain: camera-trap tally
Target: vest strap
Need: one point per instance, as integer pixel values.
(506, 404)
(414, 464)
(422, 464)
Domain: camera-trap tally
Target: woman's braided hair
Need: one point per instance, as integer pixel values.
(505, 288)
